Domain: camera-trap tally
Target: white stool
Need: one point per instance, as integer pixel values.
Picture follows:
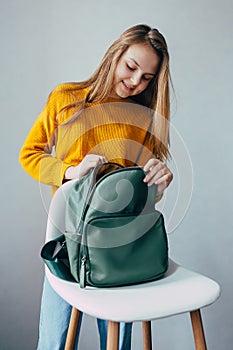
(180, 291)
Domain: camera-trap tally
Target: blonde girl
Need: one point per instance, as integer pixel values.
(121, 113)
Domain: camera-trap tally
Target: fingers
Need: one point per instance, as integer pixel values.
(98, 159)
(157, 174)
(102, 159)
(95, 159)
(89, 162)
(151, 162)
(154, 169)
(154, 172)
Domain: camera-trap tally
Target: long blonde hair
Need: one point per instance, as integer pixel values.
(156, 96)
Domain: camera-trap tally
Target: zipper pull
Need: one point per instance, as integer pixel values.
(82, 281)
(58, 248)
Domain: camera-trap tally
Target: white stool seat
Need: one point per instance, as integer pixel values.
(180, 291)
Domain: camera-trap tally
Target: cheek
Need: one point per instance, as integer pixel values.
(143, 86)
(120, 73)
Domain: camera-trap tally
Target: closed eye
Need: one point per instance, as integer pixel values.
(147, 78)
(130, 68)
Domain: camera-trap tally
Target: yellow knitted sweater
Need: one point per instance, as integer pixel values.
(116, 129)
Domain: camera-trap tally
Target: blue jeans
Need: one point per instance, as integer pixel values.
(54, 322)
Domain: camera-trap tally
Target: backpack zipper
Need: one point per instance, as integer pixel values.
(82, 281)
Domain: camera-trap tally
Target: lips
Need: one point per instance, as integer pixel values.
(129, 88)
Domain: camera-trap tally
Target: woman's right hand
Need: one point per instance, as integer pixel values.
(89, 161)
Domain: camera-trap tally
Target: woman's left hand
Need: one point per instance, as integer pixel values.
(157, 174)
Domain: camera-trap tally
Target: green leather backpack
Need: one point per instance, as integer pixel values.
(114, 236)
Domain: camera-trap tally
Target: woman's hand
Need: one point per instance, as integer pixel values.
(157, 174)
(89, 161)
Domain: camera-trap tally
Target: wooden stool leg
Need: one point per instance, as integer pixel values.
(198, 331)
(72, 330)
(113, 335)
(146, 331)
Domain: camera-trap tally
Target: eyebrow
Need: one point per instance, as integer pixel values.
(139, 66)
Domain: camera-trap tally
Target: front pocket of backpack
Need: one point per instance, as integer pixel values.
(125, 250)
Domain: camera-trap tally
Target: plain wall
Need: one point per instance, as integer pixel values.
(48, 42)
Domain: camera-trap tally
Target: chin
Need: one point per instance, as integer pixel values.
(121, 94)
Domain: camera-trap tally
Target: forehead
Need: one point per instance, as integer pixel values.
(144, 56)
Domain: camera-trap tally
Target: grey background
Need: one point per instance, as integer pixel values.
(48, 42)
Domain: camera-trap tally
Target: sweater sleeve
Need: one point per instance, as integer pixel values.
(36, 154)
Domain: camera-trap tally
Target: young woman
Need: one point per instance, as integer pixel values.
(121, 114)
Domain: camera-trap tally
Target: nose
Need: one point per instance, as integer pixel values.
(135, 79)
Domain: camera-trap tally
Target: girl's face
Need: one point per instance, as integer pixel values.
(134, 71)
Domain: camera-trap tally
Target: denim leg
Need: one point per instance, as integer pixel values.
(125, 335)
(54, 320)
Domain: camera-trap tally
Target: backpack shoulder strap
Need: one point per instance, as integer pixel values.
(141, 148)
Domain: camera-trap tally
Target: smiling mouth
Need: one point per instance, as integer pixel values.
(126, 86)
